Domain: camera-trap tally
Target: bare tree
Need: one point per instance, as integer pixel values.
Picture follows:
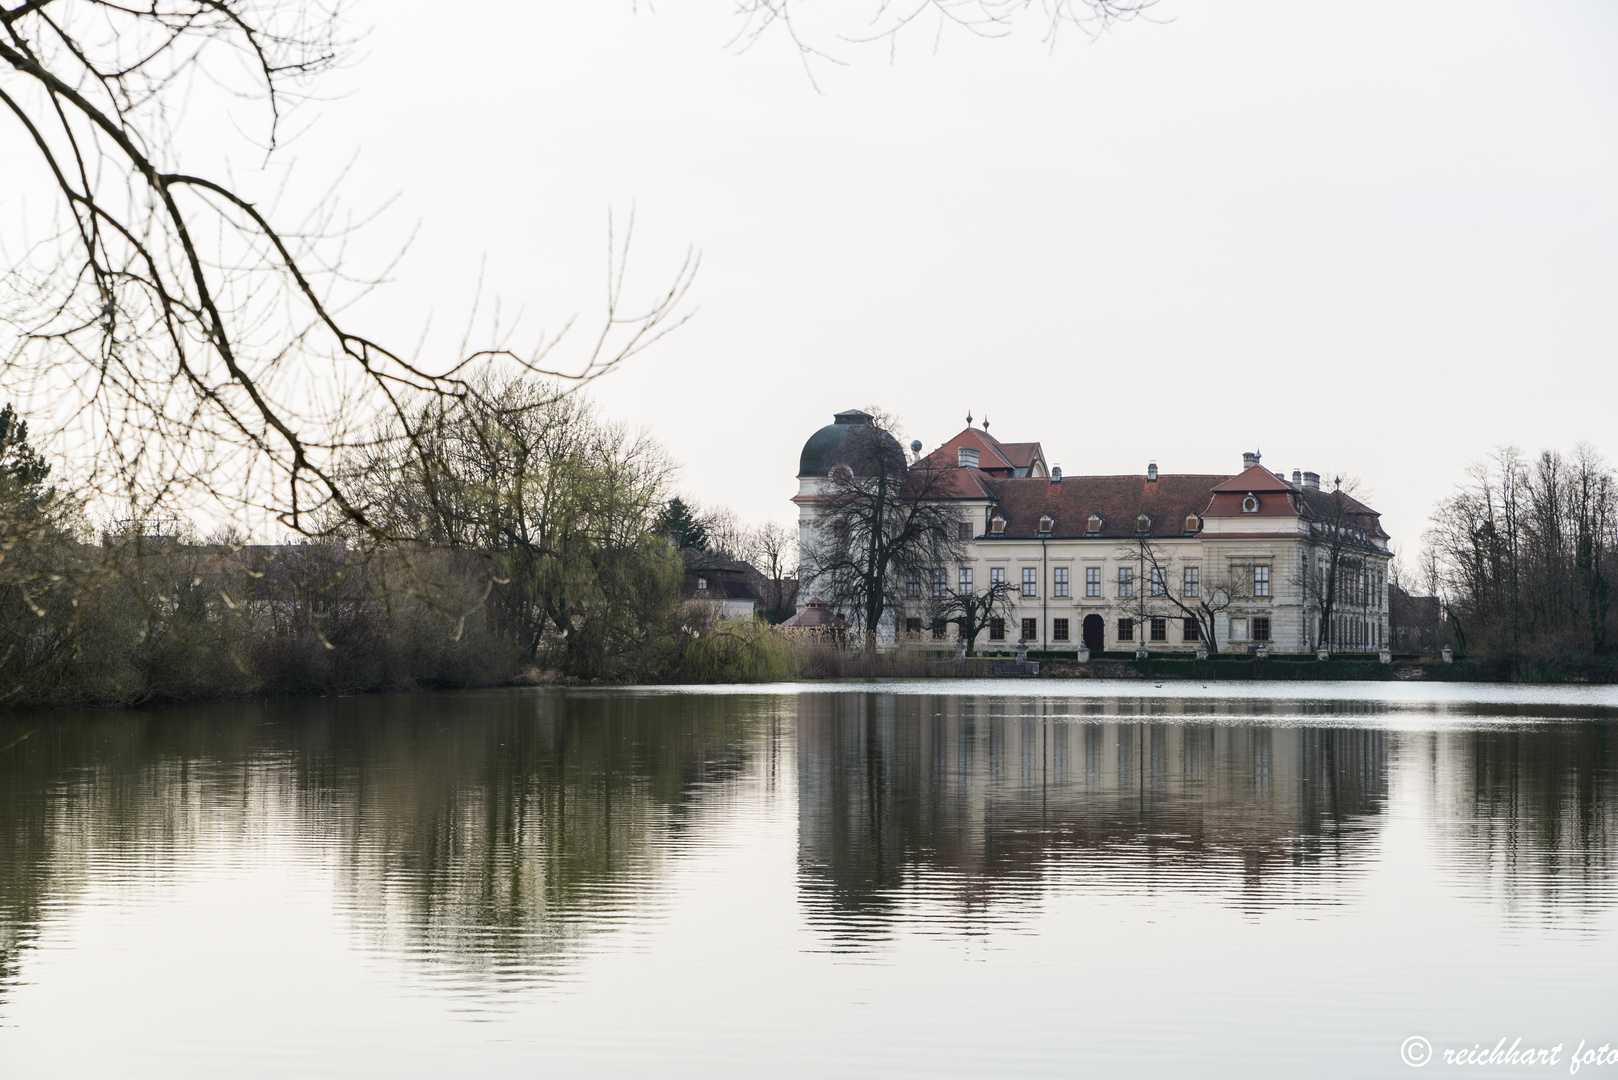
(972, 611)
(889, 20)
(880, 521)
(185, 334)
(772, 548)
(1523, 553)
(1338, 573)
(1159, 595)
(726, 532)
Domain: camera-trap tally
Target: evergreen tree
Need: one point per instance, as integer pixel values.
(683, 528)
(22, 469)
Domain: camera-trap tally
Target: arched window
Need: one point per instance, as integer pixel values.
(1093, 526)
(1250, 504)
(1192, 523)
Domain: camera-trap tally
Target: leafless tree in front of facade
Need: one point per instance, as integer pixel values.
(1163, 590)
(879, 521)
(971, 610)
(1340, 575)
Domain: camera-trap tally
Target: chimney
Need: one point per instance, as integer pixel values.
(1151, 473)
(1311, 481)
(1056, 474)
(1249, 459)
(968, 457)
(1297, 478)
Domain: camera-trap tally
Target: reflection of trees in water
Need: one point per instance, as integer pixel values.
(483, 830)
(505, 853)
(965, 800)
(1535, 810)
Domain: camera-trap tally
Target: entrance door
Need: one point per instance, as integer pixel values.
(1095, 633)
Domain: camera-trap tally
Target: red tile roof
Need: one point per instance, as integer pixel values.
(1021, 454)
(956, 483)
(1257, 479)
(994, 457)
(816, 615)
(1317, 506)
(1118, 500)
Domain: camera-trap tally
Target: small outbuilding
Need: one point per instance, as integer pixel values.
(817, 616)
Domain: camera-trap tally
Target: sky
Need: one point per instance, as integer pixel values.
(1375, 242)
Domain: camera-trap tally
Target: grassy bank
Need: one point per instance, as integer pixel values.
(1369, 669)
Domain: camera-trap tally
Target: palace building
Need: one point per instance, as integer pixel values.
(1157, 561)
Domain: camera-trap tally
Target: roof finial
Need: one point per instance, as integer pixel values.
(969, 418)
(985, 423)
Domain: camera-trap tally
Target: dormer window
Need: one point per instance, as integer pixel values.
(1045, 524)
(1143, 525)
(1250, 504)
(1093, 526)
(1192, 524)
(997, 527)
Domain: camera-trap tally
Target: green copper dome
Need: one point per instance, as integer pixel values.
(832, 444)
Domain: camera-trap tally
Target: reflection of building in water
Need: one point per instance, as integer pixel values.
(994, 789)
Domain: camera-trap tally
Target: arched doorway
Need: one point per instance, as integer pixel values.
(1095, 633)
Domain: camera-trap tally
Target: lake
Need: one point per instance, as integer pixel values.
(1013, 878)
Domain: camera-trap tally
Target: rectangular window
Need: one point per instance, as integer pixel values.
(965, 530)
(938, 630)
(1092, 581)
(1193, 581)
(1160, 629)
(913, 584)
(1060, 580)
(702, 584)
(1030, 629)
(997, 577)
(1058, 629)
(964, 581)
(1030, 581)
(940, 584)
(1261, 581)
(1261, 629)
(1126, 581)
(912, 626)
(997, 629)
(1126, 629)
(1192, 631)
(1160, 581)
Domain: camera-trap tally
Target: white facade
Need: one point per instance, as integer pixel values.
(1246, 553)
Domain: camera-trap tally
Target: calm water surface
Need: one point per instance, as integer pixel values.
(901, 879)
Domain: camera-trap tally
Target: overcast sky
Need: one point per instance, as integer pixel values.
(1368, 240)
